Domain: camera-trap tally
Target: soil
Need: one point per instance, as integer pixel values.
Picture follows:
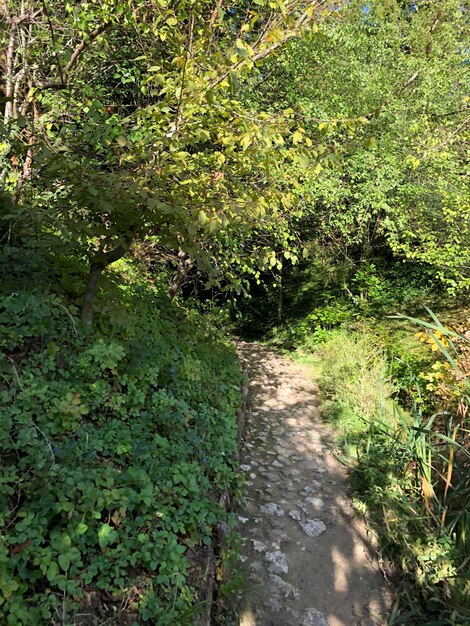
(307, 558)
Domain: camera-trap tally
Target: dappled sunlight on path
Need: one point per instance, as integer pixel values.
(307, 560)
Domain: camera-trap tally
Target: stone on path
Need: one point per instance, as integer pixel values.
(316, 503)
(287, 590)
(258, 546)
(271, 508)
(295, 515)
(312, 617)
(277, 536)
(313, 527)
(278, 562)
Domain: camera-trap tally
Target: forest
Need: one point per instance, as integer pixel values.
(175, 176)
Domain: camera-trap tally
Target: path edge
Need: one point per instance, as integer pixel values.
(209, 584)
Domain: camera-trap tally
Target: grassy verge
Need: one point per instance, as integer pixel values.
(115, 448)
(410, 474)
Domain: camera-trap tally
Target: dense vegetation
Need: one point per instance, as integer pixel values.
(304, 167)
(115, 449)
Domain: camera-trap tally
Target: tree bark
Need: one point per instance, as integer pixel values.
(91, 292)
(280, 299)
(97, 265)
(185, 264)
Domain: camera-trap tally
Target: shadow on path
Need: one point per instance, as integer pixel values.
(307, 559)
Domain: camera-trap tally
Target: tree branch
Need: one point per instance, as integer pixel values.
(82, 46)
(306, 16)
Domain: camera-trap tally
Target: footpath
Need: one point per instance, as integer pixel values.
(308, 560)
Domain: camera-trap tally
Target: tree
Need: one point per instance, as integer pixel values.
(122, 120)
(401, 185)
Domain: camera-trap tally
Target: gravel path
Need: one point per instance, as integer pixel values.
(307, 559)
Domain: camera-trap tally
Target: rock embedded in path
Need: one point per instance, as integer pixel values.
(295, 515)
(313, 617)
(278, 562)
(273, 604)
(258, 546)
(277, 536)
(271, 508)
(311, 465)
(313, 527)
(316, 503)
(287, 590)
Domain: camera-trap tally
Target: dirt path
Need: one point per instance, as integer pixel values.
(307, 559)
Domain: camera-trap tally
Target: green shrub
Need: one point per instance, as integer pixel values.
(113, 449)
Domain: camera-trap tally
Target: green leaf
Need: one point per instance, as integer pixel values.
(52, 571)
(233, 81)
(107, 535)
(163, 579)
(64, 561)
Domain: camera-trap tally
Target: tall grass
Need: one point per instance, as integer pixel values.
(410, 474)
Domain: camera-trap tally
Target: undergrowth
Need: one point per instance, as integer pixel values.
(115, 448)
(410, 475)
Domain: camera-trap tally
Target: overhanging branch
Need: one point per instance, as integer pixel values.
(78, 51)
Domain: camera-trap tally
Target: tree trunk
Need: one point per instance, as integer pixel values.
(185, 264)
(98, 264)
(91, 292)
(280, 299)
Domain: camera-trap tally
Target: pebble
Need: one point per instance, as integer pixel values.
(277, 536)
(258, 546)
